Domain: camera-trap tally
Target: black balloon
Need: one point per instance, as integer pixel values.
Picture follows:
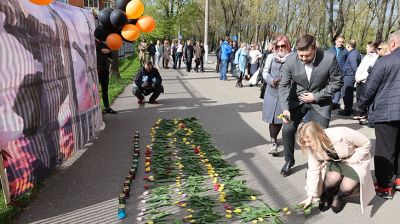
(132, 21)
(121, 4)
(104, 16)
(101, 33)
(118, 18)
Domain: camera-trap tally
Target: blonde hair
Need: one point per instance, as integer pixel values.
(313, 130)
(385, 48)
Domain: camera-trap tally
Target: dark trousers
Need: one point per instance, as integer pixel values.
(218, 63)
(360, 89)
(232, 65)
(289, 130)
(178, 59)
(348, 93)
(387, 150)
(165, 62)
(141, 92)
(174, 60)
(199, 62)
(188, 64)
(104, 81)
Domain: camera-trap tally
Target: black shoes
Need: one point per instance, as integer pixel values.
(324, 202)
(109, 111)
(335, 106)
(344, 113)
(337, 204)
(285, 171)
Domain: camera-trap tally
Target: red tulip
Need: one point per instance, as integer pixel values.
(197, 150)
(146, 186)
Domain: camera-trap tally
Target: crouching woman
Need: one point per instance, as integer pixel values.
(338, 163)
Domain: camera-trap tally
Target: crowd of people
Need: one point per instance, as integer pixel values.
(302, 85)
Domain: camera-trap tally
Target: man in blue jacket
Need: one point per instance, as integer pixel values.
(382, 96)
(349, 71)
(226, 51)
(341, 55)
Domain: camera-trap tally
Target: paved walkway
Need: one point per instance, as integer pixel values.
(85, 189)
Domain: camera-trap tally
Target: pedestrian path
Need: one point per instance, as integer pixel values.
(87, 190)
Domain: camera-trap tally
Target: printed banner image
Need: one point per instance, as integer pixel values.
(49, 92)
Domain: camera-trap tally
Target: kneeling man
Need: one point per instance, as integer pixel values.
(148, 81)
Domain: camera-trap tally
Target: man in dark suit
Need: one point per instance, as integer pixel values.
(310, 77)
(382, 97)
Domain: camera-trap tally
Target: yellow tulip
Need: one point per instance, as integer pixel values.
(228, 216)
(229, 211)
(237, 211)
(288, 212)
(285, 209)
(253, 198)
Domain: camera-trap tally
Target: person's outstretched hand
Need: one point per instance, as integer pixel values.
(286, 118)
(306, 202)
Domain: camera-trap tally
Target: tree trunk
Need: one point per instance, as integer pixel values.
(331, 27)
(115, 65)
(390, 23)
(381, 20)
(287, 17)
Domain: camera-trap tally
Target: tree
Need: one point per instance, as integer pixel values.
(381, 19)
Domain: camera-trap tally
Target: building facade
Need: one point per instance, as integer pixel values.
(94, 4)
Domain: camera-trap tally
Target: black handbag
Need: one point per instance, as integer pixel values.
(264, 86)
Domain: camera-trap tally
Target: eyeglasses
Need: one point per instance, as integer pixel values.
(281, 46)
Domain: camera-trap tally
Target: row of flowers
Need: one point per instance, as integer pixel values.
(184, 169)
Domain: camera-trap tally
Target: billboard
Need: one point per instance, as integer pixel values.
(49, 98)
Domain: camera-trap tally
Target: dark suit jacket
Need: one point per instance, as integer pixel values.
(324, 82)
(382, 90)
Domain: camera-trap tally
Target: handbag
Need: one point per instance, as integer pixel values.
(262, 93)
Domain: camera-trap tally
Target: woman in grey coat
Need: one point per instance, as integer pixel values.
(272, 77)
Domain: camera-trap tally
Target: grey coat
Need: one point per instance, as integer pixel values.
(382, 90)
(271, 108)
(324, 82)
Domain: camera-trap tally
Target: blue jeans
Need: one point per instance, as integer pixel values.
(224, 68)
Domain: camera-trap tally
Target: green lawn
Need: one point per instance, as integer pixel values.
(128, 69)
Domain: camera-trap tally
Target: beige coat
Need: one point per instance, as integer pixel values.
(354, 150)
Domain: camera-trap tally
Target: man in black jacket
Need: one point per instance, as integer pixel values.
(152, 52)
(382, 96)
(103, 70)
(148, 81)
(189, 54)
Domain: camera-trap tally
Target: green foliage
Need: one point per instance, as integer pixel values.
(7, 213)
(180, 16)
(128, 68)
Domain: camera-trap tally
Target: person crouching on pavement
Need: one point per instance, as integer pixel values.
(338, 163)
(148, 81)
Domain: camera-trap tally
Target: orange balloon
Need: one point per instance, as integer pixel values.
(42, 2)
(134, 9)
(114, 41)
(130, 32)
(146, 24)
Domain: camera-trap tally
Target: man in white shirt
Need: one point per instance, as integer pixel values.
(179, 53)
(309, 80)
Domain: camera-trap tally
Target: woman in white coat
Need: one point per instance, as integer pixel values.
(338, 163)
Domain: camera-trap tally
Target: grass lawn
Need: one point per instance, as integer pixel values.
(128, 69)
